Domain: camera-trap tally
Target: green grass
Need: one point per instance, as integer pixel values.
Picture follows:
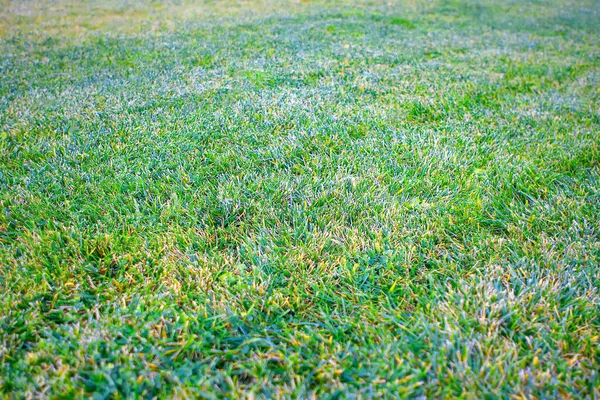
(300, 199)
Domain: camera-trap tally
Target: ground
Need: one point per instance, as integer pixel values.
(300, 199)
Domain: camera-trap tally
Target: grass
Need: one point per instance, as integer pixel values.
(300, 199)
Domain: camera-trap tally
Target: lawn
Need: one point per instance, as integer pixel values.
(290, 199)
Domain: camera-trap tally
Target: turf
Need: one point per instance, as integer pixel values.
(300, 199)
